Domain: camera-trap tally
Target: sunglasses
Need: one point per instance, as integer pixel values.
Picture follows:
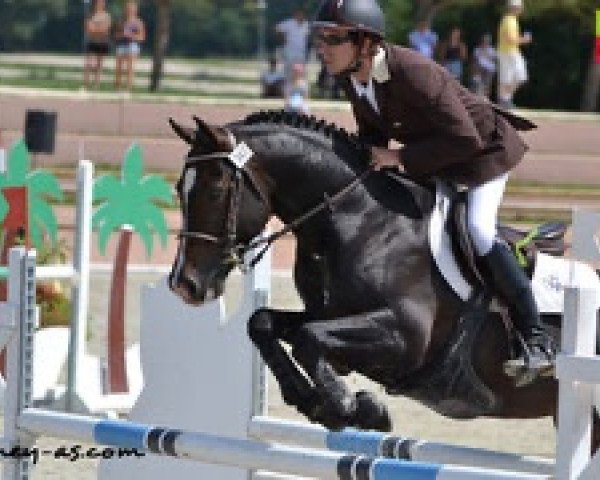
(332, 40)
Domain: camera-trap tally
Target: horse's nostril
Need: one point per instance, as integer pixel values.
(192, 285)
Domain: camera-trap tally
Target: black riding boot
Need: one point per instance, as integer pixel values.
(536, 351)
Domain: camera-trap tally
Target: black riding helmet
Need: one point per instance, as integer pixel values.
(360, 15)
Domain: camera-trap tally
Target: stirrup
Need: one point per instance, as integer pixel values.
(529, 366)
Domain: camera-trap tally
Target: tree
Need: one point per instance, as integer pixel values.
(20, 20)
(161, 41)
(41, 186)
(129, 201)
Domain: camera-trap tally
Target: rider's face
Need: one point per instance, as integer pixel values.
(335, 48)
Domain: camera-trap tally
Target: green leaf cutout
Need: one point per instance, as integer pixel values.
(131, 200)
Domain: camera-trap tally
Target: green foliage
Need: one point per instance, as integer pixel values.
(55, 312)
(40, 187)
(399, 16)
(131, 200)
(557, 60)
(20, 20)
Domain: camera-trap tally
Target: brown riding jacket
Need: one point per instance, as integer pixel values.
(445, 130)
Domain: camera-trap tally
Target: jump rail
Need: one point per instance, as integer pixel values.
(244, 453)
(377, 444)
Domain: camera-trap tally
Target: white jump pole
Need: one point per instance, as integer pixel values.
(578, 370)
(81, 285)
(252, 455)
(19, 316)
(376, 444)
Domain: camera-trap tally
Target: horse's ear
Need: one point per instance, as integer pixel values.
(185, 133)
(205, 133)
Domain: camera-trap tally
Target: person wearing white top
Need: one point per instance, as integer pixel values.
(295, 32)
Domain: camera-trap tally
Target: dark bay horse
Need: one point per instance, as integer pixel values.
(375, 302)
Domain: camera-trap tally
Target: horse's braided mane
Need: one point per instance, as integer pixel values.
(304, 122)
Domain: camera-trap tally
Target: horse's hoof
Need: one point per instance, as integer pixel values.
(371, 414)
(334, 414)
(325, 417)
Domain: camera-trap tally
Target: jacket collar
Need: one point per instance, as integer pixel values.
(380, 71)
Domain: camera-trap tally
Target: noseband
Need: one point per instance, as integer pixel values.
(236, 251)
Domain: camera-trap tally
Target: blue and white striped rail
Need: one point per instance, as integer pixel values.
(375, 444)
(245, 453)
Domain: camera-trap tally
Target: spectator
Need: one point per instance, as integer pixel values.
(130, 33)
(97, 45)
(423, 39)
(512, 69)
(453, 53)
(296, 93)
(483, 66)
(272, 81)
(295, 32)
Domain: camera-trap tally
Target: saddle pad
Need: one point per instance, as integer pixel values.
(441, 244)
(550, 277)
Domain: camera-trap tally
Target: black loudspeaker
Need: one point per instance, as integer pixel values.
(40, 131)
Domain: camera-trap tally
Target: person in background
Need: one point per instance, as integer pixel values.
(423, 39)
(295, 32)
(296, 93)
(97, 45)
(131, 32)
(453, 53)
(512, 68)
(272, 81)
(483, 66)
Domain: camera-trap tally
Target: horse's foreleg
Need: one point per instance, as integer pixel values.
(359, 343)
(265, 328)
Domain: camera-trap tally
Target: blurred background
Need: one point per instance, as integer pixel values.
(563, 75)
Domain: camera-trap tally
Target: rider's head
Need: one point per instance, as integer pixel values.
(346, 32)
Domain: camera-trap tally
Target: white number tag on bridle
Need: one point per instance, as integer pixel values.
(240, 155)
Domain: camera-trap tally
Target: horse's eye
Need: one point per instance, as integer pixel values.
(214, 171)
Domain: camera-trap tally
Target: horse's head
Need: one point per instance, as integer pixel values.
(223, 207)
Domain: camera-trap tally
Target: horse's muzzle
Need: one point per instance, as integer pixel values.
(195, 290)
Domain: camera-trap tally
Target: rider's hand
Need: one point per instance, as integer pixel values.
(384, 158)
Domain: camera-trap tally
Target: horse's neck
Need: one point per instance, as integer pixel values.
(300, 184)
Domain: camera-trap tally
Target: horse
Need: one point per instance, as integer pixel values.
(375, 301)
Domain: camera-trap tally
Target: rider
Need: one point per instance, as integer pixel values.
(444, 131)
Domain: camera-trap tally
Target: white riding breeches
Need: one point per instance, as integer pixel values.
(483, 203)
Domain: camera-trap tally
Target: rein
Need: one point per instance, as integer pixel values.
(268, 241)
(237, 251)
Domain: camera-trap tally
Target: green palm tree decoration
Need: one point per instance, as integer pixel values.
(127, 201)
(40, 185)
(131, 200)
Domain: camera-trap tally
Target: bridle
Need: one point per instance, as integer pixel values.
(236, 251)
